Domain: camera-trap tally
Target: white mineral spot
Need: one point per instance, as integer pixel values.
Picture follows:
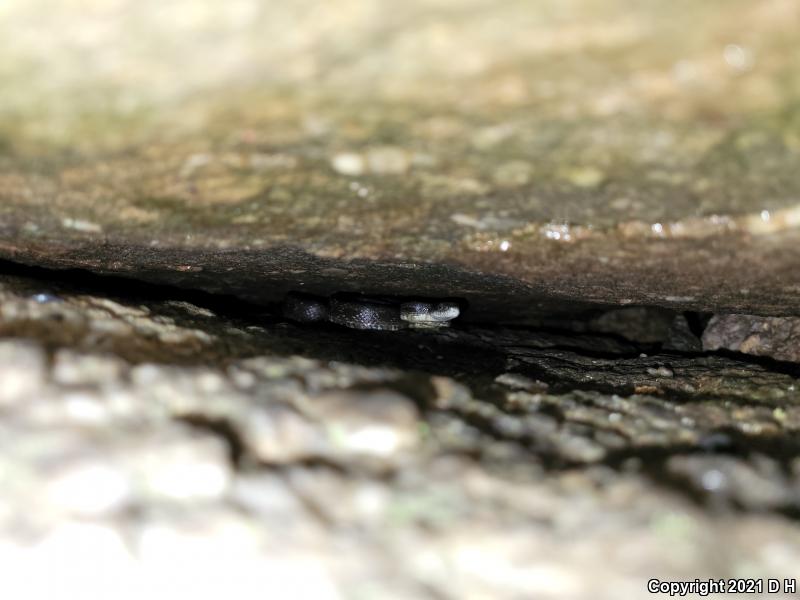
(81, 225)
(376, 440)
(737, 57)
(45, 298)
(584, 177)
(713, 480)
(505, 245)
(660, 372)
(362, 192)
(657, 228)
(765, 215)
(557, 231)
(348, 163)
(466, 220)
(519, 382)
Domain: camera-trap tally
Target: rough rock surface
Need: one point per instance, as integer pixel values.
(170, 441)
(518, 155)
(775, 337)
(592, 180)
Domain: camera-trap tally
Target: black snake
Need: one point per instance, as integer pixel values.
(366, 312)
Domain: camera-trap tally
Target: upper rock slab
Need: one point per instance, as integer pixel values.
(512, 153)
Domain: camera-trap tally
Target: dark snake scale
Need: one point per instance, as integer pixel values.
(383, 314)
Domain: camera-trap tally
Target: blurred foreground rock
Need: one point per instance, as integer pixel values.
(473, 463)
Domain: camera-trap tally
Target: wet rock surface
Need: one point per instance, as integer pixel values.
(262, 448)
(521, 157)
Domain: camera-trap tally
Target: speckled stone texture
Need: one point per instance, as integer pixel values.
(775, 337)
(179, 443)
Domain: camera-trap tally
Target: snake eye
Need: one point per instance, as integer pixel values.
(446, 311)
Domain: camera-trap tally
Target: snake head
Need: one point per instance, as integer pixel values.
(421, 313)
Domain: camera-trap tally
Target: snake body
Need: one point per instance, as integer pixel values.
(371, 313)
